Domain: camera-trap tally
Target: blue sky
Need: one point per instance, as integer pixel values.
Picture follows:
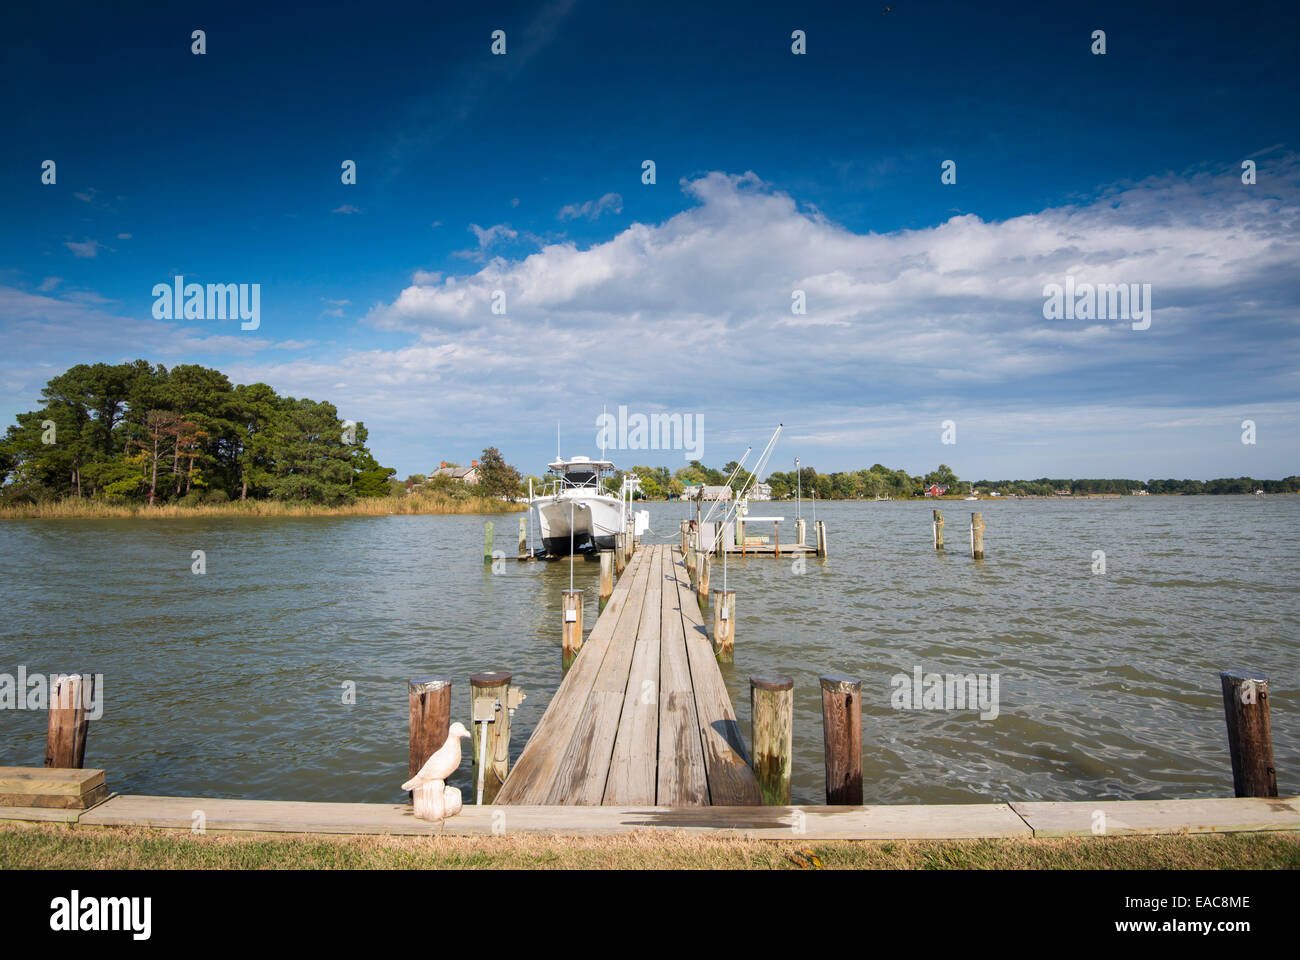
(775, 172)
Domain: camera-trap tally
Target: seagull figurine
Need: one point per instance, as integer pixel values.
(444, 761)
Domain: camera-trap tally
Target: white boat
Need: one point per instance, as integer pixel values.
(575, 512)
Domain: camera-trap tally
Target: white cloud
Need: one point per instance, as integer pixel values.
(85, 248)
(592, 209)
(346, 208)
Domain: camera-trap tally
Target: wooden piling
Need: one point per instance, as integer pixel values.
(690, 556)
(523, 537)
(572, 627)
(977, 536)
(771, 706)
(495, 685)
(801, 531)
(842, 738)
(487, 542)
(619, 557)
(702, 581)
(821, 537)
(938, 529)
(1250, 735)
(606, 576)
(724, 625)
(684, 525)
(65, 736)
(776, 539)
(429, 701)
(629, 538)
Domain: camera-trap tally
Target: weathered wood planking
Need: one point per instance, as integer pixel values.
(530, 780)
(585, 767)
(731, 781)
(68, 788)
(632, 770)
(906, 821)
(1119, 818)
(682, 779)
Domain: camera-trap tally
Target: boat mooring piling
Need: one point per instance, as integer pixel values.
(1250, 735)
(620, 558)
(938, 529)
(771, 704)
(702, 581)
(572, 627)
(490, 696)
(842, 739)
(977, 536)
(523, 537)
(430, 709)
(487, 542)
(69, 722)
(820, 526)
(800, 530)
(606, 577)
(724, 625)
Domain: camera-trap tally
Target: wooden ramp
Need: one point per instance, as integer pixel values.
(643, 716)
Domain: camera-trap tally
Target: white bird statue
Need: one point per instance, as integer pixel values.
(451, 801)
(444, 761)
(430, 800)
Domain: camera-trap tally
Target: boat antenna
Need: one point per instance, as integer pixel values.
(798, 486)
(603, 427)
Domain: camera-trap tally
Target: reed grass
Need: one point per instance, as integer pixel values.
(416, 503)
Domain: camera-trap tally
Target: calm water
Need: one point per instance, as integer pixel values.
(231, 683)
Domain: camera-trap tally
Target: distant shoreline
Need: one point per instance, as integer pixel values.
(411, 505)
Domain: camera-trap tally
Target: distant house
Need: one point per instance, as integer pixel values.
(761, 491)
(715, 493)
(690, 491)
(467, 475)
(934, 490)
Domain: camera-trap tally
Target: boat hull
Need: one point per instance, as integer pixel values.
(578, 522)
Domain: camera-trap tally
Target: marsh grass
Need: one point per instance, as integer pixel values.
(416, 503)
(59, 846)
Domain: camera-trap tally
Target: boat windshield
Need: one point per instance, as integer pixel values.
(580, 478)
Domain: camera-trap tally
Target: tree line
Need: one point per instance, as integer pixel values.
(880, 481)
(136, 432)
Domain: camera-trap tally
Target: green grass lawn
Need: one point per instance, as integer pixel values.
(58, 846)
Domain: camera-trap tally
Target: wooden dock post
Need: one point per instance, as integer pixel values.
(684, 523)
(629, 538)
(977, 536)
(619, 557)
(776, 539)
(938, 529)
(724, 625)
(702, 581)
(690, 556)
(487, 542)
(492, 685)
(65, 737)
(1250, 735)
(429, 701)
(801, 531)
(606, 576)
(523, 537)
(572, 629)
(771, 705)
(842, 737)
(821, 538)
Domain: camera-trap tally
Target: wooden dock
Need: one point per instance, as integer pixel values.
(643, 715)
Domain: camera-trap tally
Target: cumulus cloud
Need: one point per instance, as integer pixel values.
(346, 208)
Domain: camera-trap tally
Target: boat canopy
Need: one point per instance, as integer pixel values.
(580, 465)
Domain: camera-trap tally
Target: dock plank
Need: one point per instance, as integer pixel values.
(682, 780)
(585, 767)
(634, 764)
(727, 764)
(534, 772)
(1132, 817)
